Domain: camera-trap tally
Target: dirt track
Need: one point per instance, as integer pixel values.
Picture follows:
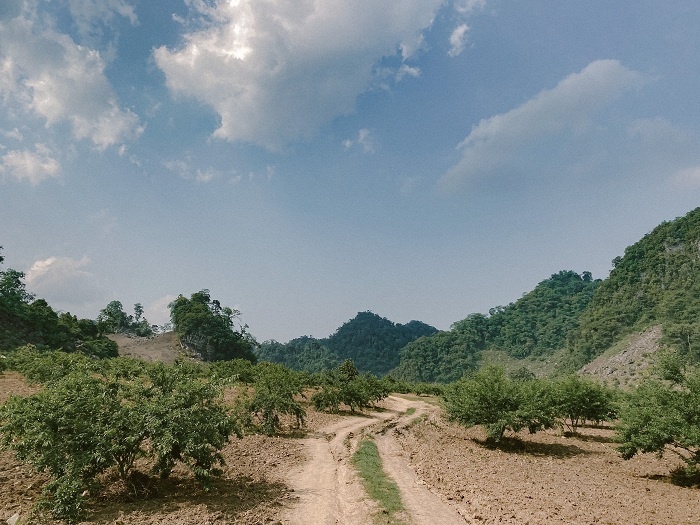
(329, 489)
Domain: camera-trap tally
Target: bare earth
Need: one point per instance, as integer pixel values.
(445, 473)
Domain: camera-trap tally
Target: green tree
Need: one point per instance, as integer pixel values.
(663, 416)
(578, 400)
(491, 399)
(209, 329)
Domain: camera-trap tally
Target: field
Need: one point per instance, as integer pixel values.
(445, 473)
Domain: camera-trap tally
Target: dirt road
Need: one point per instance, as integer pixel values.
(329, 490)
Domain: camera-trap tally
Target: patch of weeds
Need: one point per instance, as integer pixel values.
(378, 485)
(410, 411)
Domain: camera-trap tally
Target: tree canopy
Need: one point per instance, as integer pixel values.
(210, 329)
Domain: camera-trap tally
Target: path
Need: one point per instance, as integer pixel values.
(329, 489)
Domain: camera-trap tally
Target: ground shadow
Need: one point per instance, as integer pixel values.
(679, 476)
(227, 498)
(513, 445)
(589, 438)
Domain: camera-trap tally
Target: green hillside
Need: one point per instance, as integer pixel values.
(536, 324)
(657, 281)
(372, 342)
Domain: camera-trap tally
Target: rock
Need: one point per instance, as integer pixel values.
(12, 520)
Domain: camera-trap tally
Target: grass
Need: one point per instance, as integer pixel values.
(410, 411)
(378, 485)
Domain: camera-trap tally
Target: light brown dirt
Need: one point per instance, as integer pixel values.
(164, 348)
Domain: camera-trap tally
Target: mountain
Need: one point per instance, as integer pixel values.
(371, 341)
(650, 299)
(655, 282)
(537, 324)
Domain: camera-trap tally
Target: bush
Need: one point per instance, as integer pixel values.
(491, 399)
(45, 366)
(345, 386)
(82, 425)
(275, 389)
(660, 416)
(579, 400)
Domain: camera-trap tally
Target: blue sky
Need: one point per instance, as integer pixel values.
(305, 160)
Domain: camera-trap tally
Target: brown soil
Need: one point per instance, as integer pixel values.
(446, 475)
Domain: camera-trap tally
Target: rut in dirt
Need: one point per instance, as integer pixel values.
(328, 488)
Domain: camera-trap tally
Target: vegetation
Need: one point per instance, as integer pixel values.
(114, 320)
(378, 485)
(25, 319)
(663, 414)
(82, 424)
(536, 324)
(274, 395)
(655, 282)
(501, 403)
(344, 385)
(370, 341)
(209, 329)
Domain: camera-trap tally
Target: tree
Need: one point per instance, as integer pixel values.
(578, 400)
(491, 399)
(203, 325)
(83, 424)
(664, 416)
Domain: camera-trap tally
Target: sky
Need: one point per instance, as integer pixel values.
(306, 160)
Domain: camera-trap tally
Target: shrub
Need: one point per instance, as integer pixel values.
(345, 386)
(660, 416)
(579, 400)
(491, 399)
(275, 389)
(82, 425)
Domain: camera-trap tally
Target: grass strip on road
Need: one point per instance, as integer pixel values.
(377, 484)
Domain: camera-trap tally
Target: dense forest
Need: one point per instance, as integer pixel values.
(536, 324)
(372, 342)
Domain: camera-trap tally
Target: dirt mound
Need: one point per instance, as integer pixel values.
(624, 364)
(164, 348)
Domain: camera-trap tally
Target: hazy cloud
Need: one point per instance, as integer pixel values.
(364, 140)
(63, 281)
(31, 166)
(688, 177)
(275, 71)
(569, 107)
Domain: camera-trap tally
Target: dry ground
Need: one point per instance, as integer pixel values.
(440, 468)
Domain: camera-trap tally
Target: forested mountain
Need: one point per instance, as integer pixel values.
(372, 342)
(535, 324)
(657, 281)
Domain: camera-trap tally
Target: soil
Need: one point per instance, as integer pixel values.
(446, 475)
(162, 347)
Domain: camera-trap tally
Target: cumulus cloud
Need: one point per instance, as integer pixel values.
(569, 107)
(276, 70)
(457, 40)
(63, 281)
(31, 166)
(46, 73)
(183, 167)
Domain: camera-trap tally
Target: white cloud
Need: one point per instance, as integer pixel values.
(47, 73)
(364, 140)
(90, 15)
(32, 166)
(457, 40)
(63, 281)
(569, 107)
(275, 71)
(184, 169)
